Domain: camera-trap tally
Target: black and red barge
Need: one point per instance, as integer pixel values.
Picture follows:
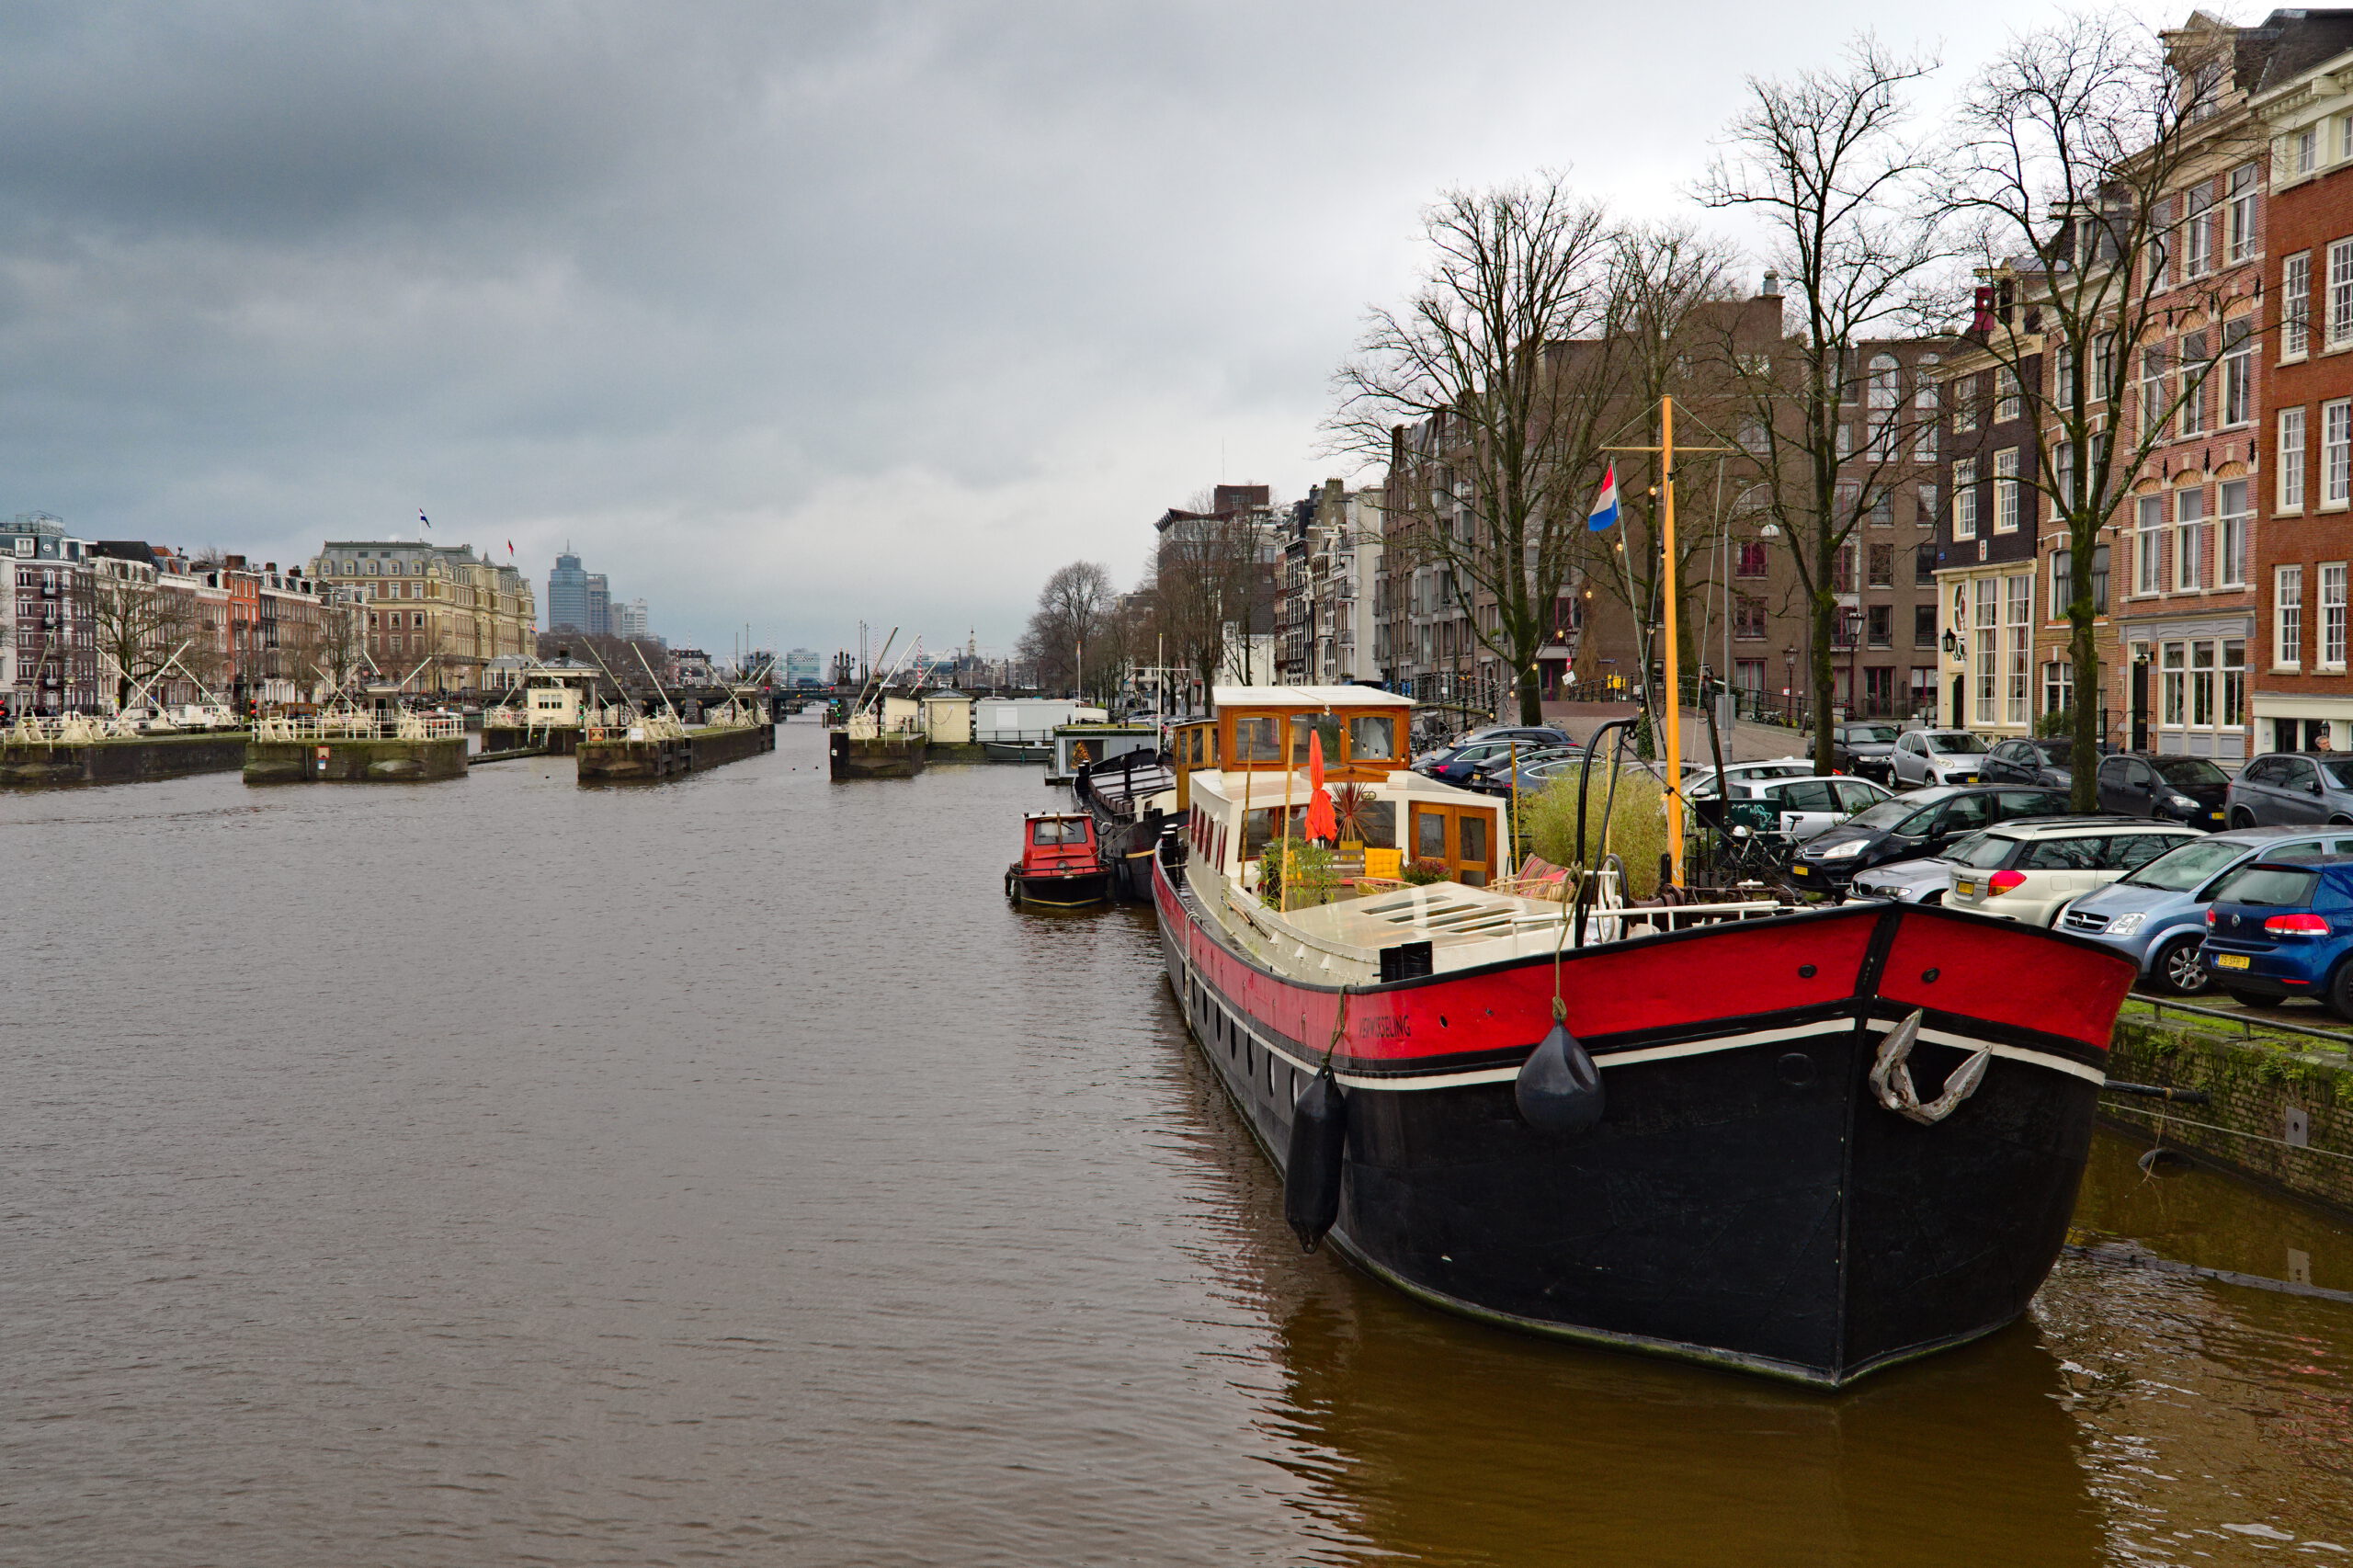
(1832, 1141)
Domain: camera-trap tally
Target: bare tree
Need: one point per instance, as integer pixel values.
(138, 626)
(1823, 159)
(1213, 586)
(2077, 144)
(1067, 631)
(1674, 310)
(1481, 356)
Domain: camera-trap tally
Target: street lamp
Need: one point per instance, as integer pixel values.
(1952, 644)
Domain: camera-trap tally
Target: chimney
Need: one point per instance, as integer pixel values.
(1772, 290)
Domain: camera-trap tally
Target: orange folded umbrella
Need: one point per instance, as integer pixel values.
(1321, 824)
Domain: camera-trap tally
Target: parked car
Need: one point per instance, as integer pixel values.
(1801, 808)
(1926, 821)
(1925, 881)
(1700, 783)
(2280, 929)
(1863, 749)
(2156, 916)
(2293, 788)
(2169, 789)
(1454, 763)
(2046, 763)
(1497, 776)
(2030, 871)
(1937, 757)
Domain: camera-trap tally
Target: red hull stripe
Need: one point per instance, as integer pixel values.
(2057, 996)
(2015, 975)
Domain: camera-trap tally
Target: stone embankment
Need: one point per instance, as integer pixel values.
(626, 761)
(349, 760)
(125, 761)
(2280, 1110)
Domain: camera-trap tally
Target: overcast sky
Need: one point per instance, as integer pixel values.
(791, 314)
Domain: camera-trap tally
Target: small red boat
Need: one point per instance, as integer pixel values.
(1062, 863)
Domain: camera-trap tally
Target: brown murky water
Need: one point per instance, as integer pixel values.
(499, 1171)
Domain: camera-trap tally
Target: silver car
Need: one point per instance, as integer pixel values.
(1937, 757)
(1925, 881)
(2156, 916)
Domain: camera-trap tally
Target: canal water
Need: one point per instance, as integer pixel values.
(719, 1172)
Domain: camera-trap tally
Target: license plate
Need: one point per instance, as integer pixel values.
(1967, 889)
(2214, 816)
(1799, 871)
(2231, 960)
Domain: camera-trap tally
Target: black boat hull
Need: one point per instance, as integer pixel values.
(1746, 1201)
(1059, 892)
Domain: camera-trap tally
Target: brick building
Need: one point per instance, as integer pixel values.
(51, 663)
(1986, 542)
(2303, 692)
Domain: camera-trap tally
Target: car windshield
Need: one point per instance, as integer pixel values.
(1986, 850)
(1955, 742)
(2180, 870)
(2191, 772)
(1889, 812)
(2267, 886)
(2340, 772)
(2055, 754)
(1871, 734)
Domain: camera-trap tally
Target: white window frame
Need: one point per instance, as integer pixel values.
(2006, 491)
(2337, 454)
(2340, 292)
(2289, 493)
(1964, 498)
(2192, 540)
(2286, 618)
(2238, 375)
(2149, 520)
(2234, 507)
(2242, 212)
(2198, 230)
(2330, 654)
(2296, 305)
(2017, 630)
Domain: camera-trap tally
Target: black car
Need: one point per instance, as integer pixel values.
(2169, 789)
(2048, 763)
(1909, 826)
(1867, 750)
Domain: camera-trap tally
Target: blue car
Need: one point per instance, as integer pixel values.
(2156, 916)
(2282, 928)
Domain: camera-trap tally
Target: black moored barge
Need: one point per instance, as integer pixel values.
(1826, 1141)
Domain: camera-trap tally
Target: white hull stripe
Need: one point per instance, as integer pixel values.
(1825, 1029)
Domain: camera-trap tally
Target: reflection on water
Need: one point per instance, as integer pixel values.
(721, 1171)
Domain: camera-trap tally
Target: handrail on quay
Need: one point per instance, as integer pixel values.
(2248, 1026)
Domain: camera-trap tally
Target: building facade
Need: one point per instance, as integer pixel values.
(435, 615)
(51, 667)
(1327, 620)
(1987, 544)
(2303, 692)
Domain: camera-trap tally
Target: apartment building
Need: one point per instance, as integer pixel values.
(1987, 555)
(1326, 623)
(437, 614)
(2303, 692)
(50, 667)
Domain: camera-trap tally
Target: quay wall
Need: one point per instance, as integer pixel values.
(2279, 1116)
(620, 762)
(120, 761)
(345, 761)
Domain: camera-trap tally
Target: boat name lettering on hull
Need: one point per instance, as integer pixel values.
(1384, 1028)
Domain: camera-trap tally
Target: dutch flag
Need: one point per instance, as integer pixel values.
(1605, 506)
(423, 519)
